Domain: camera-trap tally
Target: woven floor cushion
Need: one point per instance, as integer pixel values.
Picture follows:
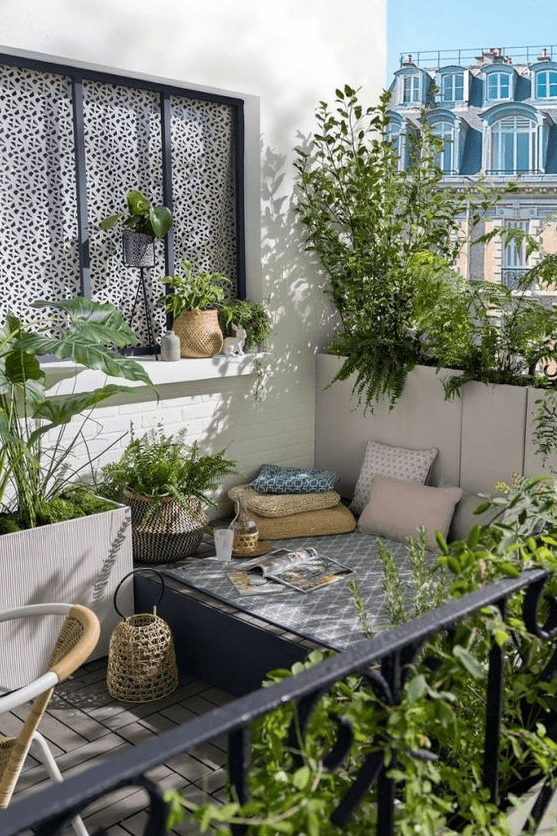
(283, 505)
(337, 520)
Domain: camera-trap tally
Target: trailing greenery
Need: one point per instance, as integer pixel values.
(39, 438)
(484, 329)
(545, 426)
(159, 465)
(194, 290)
(253, 317)
(432, 742)
(142, 217)
(365, 220)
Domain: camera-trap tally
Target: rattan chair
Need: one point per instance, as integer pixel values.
(76, 641)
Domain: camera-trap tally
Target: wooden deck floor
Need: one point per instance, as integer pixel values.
(85, 724)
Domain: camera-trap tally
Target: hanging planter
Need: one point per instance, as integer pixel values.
(199, 332)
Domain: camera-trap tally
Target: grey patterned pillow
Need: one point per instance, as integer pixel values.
(398, 462)
(273, 478)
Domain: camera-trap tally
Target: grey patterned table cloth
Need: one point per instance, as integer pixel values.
(327, 615)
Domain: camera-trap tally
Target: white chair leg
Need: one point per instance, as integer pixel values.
(52, 769)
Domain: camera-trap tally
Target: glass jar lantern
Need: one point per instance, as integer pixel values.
(246, 534)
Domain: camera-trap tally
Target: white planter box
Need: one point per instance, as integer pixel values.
(78, 561)
(483, 436)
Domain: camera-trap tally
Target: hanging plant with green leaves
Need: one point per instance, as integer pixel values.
(365, 220)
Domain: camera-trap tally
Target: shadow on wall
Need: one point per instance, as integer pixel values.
(222, 413)
(294, 277)
(280, 425)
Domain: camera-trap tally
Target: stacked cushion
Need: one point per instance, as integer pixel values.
(336, 520)
(287, 480)
(294, 502)
(282, 505)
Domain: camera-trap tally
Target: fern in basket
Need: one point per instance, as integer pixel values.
(157, 466)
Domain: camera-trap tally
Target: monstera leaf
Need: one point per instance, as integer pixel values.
(57, 411)
(90, 327)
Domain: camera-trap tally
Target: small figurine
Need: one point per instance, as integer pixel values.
(234, 345)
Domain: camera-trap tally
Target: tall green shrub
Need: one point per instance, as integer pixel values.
(365, 220)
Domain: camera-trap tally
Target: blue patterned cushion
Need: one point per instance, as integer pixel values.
(275, 479)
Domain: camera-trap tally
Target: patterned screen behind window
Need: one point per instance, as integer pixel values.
(38, 226)
(38, 205)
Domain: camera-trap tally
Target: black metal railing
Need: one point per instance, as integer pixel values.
(467, 57)
(390, 653)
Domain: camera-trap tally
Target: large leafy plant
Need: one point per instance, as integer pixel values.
(365, 219)
(38, 434)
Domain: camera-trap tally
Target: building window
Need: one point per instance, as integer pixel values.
(393, 135)
(514, 258)
(452, 87)
(546, 84)
(410, 88)
(498, 86)
(444, 158)
(513, 145)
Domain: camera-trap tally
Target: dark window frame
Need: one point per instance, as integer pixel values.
(77, 75)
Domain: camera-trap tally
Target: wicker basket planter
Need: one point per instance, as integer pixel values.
(199, 332)
(169, 533)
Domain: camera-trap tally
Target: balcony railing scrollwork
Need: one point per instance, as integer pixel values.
(385, 661)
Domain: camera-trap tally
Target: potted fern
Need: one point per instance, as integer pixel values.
(193, 301)
(165, 482)
(252, 316)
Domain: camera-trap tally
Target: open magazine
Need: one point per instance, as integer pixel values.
(302, 569)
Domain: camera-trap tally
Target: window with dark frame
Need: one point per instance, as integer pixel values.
(74, 142)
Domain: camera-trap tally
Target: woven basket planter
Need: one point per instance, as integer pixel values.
(199, 332)
(169, 533)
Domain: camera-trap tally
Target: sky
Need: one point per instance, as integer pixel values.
(467, 24)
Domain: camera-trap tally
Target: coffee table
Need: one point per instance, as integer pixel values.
(231, 640)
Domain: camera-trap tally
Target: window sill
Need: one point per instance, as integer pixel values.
(64, 377)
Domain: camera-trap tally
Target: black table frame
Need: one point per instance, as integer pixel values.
(216, 641)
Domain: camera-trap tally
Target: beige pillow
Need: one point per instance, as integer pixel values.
(398, 462)
(282, 505)
(464, 518)
(397, 509)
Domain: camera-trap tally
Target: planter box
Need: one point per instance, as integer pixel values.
(78, 561)
(483, 436)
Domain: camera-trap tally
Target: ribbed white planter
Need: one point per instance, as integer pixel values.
(78, 561)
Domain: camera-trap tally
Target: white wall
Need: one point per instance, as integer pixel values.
(286, 57)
